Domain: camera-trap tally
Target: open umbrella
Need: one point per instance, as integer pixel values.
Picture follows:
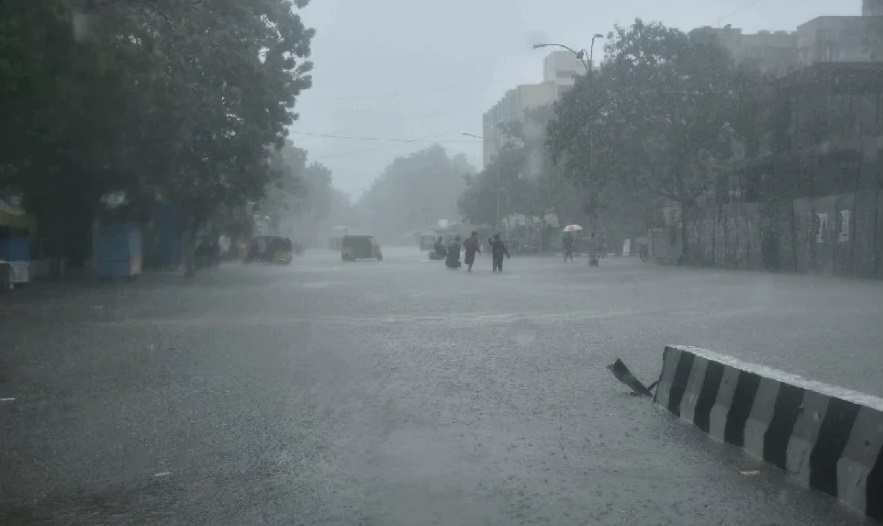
(572, 228)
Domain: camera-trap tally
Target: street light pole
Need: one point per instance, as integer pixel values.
(580, 55)
(592, 51)
(593, 199)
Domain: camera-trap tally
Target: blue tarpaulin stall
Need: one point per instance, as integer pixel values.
(16, 227)
(17, 252)
(118, 250)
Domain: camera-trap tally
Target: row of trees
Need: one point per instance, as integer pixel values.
(666, 110)
(663, 112)
(180, 100)
(504, 187)
(414, 192)
(300, 197)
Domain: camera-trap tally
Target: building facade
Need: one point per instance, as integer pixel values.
(841, 39)
(512, 109)
(560, 70)
(872, 7)
(773, 52)
(814, 202)
(822, 39)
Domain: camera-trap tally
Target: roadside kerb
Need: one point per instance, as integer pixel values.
(829, 438)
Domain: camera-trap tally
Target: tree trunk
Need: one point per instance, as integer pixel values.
(682, 194)
(684, 245)
(189, 249)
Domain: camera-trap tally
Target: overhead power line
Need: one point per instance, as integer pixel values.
(425, 91)
(738, 10)
(396, 144)
(379, 139)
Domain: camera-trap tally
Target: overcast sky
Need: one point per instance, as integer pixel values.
(425, 71)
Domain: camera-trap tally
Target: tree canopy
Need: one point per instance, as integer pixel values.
(414, 192)
(173, 99)
(507, 185)
(665, 108)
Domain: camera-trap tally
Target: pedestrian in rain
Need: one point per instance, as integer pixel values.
(593, 251)
(567, 242)
(439, 246)
(471, 246)
(498, 249)
(452, 260)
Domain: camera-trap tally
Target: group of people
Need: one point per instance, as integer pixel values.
(471, 247)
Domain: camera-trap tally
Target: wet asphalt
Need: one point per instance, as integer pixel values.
(402, 393)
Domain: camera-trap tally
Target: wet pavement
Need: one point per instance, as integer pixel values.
(402, 393)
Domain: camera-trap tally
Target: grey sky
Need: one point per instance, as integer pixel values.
(426, 71)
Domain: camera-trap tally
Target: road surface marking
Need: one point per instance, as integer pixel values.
(162, 474)
(7, 399)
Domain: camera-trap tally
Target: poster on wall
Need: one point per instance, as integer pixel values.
(844, 226)
(822, 223)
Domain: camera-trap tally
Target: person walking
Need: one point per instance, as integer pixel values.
(567, 242)
(439, 247)
(471, 245)
(452, 260)
(498, 249)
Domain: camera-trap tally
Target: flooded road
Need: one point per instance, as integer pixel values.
(400, 393)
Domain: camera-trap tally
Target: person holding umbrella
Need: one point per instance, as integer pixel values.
(567, 240)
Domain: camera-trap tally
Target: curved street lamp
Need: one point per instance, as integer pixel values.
(592, 48)
(581, 55)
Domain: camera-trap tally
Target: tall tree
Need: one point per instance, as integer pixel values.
(178, 99)
(659, 116)
(66, 104)
(500, 189)
(230, 83)
(521, 179)
(299, 197)
(286, 187)
(414, 192)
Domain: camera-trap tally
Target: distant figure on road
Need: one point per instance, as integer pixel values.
(593, 251)
(471, 245)
(567, 242)
(453, 258)
(440, 246)
(498, 249)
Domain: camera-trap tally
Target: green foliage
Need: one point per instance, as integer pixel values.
(286, 185)
(178, 99)
(414, 192)
(488, 196)
(664, 111)
(300, 196)
(478, 202)
(506, 186)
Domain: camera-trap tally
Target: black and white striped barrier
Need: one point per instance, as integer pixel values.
(831, 439)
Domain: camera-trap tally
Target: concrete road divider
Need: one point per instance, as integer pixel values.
(830, 438)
